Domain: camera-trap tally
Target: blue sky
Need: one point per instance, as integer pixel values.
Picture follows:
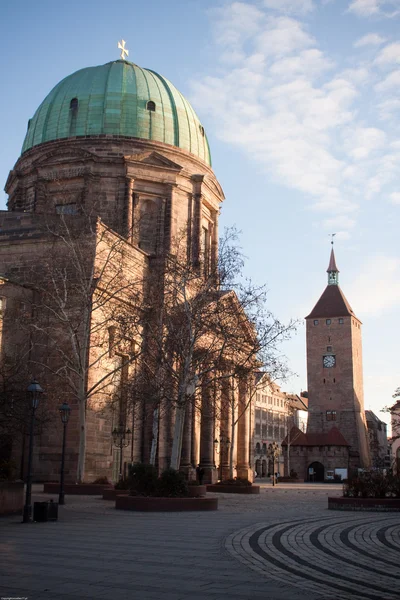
(300, 100)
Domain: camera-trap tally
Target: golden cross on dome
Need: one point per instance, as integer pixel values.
(121, 46)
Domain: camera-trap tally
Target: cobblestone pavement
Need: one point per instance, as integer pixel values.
(281, 545)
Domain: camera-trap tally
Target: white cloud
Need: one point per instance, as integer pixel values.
(390, 82)
(377, 287)
(291, 108)
(387, 109)
(359, 143)
(364, 8)
(389, 54)
(369, 8)
(371, 39)
(281, 36)
(394, 197)
(290, 6)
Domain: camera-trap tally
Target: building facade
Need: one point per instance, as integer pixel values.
(114, 179)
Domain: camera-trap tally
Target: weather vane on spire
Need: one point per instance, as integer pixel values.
(332, 235)
(124, 51)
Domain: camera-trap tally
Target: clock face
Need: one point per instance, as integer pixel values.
(329, 361)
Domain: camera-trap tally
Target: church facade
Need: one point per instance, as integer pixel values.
(336, 441)
(115, 172)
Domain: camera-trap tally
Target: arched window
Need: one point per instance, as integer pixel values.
(151, 105)
(201, 130)
(73, 105)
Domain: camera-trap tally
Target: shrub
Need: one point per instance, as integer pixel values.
(102, 480)
(143, 480)
(123, 484)
(172, 484)
(372, 484)
(8, 469)
(240, 481)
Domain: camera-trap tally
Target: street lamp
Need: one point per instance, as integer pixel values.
(121, 439)
(34, 392)
(223, 443)
(273, 452)
(64, 411)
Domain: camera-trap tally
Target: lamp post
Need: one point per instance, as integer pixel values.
(64, 411)
(121, 439)
(34, 392)
(273, 452)
(223, 443)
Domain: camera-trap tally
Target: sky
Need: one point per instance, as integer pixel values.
(300, 100)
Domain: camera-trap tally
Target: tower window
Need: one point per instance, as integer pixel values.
(201, 130)
(328, 321)
(73, 105)
(331, 415)
(151, 106)
(329, 348)
(316, 321)
(341, 321)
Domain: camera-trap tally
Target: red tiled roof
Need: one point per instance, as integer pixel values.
(332, 263)
(331, 304)
(332, 438)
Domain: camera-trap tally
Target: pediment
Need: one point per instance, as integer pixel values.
(154, 159)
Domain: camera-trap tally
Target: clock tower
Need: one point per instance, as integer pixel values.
(334, 371)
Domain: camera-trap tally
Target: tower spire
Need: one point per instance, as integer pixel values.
(332, 270)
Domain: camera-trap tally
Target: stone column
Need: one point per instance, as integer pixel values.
(243, 463)
(225, 426)
(129, 208)
(135, 227)
(196, 419)
(197, 208)
(207, 434)
(186, 454)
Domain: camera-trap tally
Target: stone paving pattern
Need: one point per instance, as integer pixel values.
(281, 545)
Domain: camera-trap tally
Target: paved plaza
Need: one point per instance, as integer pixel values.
(281, 545)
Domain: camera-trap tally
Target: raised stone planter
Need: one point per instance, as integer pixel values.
(197, 491)
(372, 504)
(234, 489)
(146, 504)
(78, 489)
(11, 497)
(111, 493)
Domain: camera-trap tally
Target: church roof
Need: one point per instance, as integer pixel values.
(121, 99)
(331, 438)
(332, 303)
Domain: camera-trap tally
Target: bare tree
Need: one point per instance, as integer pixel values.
(204, 324)
(81, 288)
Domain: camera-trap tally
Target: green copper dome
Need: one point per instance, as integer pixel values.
(118, 98)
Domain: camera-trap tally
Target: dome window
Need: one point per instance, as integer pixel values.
(151, 106)
(201, 130)
(29, 123)
(73, 105)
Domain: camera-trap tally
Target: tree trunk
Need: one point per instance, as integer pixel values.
(154, 441)
(232, 445)
(82, 440)
(178, 437)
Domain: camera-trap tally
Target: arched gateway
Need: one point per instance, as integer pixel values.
(316, 472)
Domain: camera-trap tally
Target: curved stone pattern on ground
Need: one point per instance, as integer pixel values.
(329, 556)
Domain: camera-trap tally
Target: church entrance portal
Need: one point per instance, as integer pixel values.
(316, 472)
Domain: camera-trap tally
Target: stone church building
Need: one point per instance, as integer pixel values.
(336, 441)
(115, 168)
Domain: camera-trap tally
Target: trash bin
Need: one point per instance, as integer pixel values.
(45, 511)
